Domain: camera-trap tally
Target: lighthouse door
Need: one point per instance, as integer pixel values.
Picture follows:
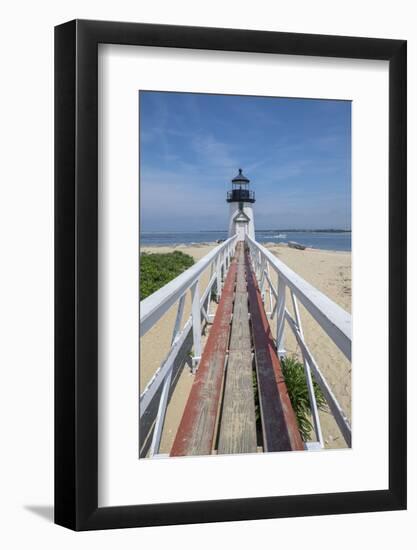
(240, 231)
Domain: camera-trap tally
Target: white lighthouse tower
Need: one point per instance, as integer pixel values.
(241, 199)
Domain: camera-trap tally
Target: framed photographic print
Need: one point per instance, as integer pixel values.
(230, 274)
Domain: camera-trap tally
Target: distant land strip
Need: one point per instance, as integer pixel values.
(287, 230)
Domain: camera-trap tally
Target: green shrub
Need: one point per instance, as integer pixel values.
(295, 380)
(156, 270)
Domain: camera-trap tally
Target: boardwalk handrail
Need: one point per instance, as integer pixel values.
(158, 303)
(154, 306)
(334, 320)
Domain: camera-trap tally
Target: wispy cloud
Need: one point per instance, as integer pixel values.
(296, 153)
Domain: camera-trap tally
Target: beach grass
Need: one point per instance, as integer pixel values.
(296, 383)
(158, 269)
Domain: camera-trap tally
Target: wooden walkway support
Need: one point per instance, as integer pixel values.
(279, 424)
(229, 366)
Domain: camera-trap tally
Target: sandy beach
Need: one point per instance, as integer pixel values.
(329, 271)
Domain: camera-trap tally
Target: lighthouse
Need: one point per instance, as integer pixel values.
(241, 199)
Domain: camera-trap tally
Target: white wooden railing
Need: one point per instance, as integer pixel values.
(153, 308)
(334, 320)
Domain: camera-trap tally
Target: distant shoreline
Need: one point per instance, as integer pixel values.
(322, 240)
(213, 244)
(260, 230)
(275, 231)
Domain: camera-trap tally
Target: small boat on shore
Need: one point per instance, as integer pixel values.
(298, 246)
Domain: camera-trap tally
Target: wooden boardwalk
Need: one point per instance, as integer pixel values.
(239, 356)
(237, 423)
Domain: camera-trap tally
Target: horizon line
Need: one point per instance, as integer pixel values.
(321, 229)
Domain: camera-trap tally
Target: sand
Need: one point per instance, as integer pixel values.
(329, 271)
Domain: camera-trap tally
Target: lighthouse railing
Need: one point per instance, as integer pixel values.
(153, 308)
(334, 320)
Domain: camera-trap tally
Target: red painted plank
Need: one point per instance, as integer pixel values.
(279, 423)
(196, 431)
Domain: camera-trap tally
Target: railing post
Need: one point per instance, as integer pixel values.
(280, 316)
(160, 417)
(269, 288)
(307, 372)
(262, 281)
(218, 279)
(205, 309)
(258, 264)
(196, 317)
(178, 318)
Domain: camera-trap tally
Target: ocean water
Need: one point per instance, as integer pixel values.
(314, 239)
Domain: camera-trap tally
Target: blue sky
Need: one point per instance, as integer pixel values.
(296, 152)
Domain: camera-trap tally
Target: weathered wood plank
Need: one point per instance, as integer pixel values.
(238, 423)
(196, 432)
(241, 279)
(279, 424)
(240, 337)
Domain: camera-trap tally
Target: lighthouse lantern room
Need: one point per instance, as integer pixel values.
(241, 199)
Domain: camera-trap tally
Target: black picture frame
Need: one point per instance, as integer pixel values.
(76, 272)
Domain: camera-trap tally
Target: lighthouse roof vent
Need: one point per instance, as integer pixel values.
(240, 178)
